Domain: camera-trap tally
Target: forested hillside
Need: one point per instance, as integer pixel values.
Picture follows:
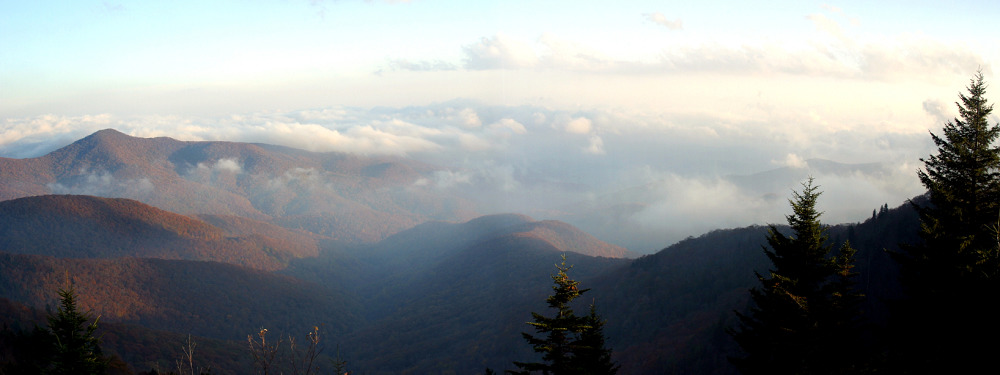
(348, 197)
(428, 299)
(339, 250)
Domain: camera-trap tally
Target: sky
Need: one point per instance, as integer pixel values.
(529, 101)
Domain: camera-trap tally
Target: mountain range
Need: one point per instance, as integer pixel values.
(165, 238)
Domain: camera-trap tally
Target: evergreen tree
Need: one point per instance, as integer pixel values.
(592, 356)
(567, 342)
(951, 275)
(806, 307)
(76, 351)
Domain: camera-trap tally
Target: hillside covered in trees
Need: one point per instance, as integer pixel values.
(387, 290)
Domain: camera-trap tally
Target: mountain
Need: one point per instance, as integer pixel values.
(632, 217)
(204, 298)
(142, 348)
(458, 296)
(563, 237)
(444, 297)
(77, 226)
(690, 289)
(348, 197)
(220, 239)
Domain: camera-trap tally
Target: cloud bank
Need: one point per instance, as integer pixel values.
(552, 163)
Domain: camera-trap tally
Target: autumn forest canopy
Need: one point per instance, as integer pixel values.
(128, 255)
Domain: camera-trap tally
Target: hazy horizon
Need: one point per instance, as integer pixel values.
(534, 107)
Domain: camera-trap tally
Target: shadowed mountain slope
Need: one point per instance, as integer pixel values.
(141, 348)
(464, 310)
(77, 226)
(205, 298)
(691, 289)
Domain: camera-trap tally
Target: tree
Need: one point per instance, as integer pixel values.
(591, 353)
(950, 277)
(806, 308)
(75, 348)
(566, 341)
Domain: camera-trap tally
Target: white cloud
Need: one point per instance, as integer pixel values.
(832, 51)
(499, 52)
(659, 19)
(228, 165)
(508, 125)
(298, 177)
(421, 66)
(466, 117)
(827, 25)
(472, 142)
(936, 109)
(562, 54)
(579, 125)
(596, 146)
(497, 166)
(32, 136)
(447, 179)
(103, 184)
(792, 161)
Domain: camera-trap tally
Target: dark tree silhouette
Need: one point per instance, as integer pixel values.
(805, 309)
(951, 275)
(76, 350)
(569, 344)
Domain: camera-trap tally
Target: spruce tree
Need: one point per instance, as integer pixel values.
(590, 351)
(568, 343)
(76, 351)
(951, 275)
(805, 308)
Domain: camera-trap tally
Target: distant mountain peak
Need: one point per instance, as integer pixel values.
(109, 132)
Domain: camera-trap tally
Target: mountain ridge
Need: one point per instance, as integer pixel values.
(80, 226)
(351, 197)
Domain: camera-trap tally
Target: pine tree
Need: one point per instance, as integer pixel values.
(806, 307)
(591, 354)
(76, 350)
(951, 276)
(567, 341)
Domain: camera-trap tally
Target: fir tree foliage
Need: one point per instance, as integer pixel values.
(963, 182)
(569, 344)
(951, 276)
(806, 309)
(76, 349)
(592, 355)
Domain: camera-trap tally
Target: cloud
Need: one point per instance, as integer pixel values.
(113, 7)
(659, 19)
(466, 117)
(421, 66)
(792, 161)
(579, 125)
(508, 125)
(228, 165)
(446, 179)
(32, 136)
(532, 159)
(298, 177)
(596, 146)
(918, 57)
(680, 206)
(499, 52)
(562, 54)
(832, 51)
(826, 25)
(936, 109)
(103, 184)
